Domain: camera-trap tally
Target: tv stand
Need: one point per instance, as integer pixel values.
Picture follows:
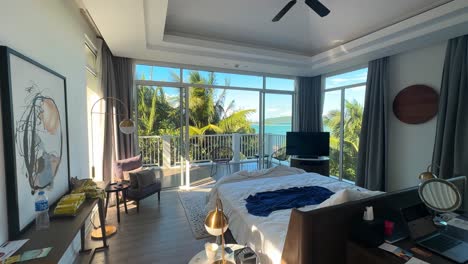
(320, 165)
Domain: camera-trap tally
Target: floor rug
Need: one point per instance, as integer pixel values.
(194, 201)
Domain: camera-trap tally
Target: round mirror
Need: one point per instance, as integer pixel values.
(440, 195)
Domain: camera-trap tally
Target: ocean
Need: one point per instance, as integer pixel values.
(277, 129)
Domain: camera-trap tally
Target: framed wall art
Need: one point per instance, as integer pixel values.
(35, 135)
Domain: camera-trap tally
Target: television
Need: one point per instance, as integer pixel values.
(308, 144)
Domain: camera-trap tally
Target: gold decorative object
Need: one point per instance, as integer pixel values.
(427, 175)
(110, 230)
(127, 126)
(216, 223)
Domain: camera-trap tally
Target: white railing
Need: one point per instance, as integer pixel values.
(165, 150)
(151, 150)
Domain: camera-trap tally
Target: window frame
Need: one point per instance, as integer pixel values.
(342, 90)
(263, 91)
(183, 67)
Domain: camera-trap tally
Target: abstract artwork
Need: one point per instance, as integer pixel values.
(34, 115)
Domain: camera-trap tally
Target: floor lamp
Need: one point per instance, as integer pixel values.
(126, 126)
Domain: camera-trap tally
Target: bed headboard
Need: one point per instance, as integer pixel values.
(320, 236)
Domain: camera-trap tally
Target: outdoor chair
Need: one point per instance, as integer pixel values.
(279, 155)
(220, 156)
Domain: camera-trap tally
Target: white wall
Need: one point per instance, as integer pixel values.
(52, 33)
(410, 146)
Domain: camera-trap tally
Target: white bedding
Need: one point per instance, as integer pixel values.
(266, 235)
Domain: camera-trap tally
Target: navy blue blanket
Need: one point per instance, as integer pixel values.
(262, 204)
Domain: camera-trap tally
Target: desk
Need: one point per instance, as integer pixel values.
(356, 253)
(61, 232)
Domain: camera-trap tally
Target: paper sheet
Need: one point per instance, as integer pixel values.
(10, 247)
(416, 261)
(460, 223)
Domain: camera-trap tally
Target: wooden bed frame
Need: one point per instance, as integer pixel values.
(320, 236)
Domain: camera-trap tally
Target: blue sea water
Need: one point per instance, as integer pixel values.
(277, 129)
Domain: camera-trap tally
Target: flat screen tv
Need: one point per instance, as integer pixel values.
(308, 144)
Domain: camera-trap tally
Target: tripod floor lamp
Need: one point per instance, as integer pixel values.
(126, 126)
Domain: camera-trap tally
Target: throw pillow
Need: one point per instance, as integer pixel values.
(126, 174)
(126, 165)
(144, 178)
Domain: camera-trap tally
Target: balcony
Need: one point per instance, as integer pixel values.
(164, 152)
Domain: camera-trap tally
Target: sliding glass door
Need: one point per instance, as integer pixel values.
(188, 119)
(342, 117)
(160, 131)
(277, 122)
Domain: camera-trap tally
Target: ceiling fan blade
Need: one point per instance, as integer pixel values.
(318, 7)
(284, 10)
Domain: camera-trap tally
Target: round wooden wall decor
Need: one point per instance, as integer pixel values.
(416, 104)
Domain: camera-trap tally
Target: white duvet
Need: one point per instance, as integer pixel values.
(266, 235)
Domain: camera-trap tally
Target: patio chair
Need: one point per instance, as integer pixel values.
(220, 156)
(279, 155)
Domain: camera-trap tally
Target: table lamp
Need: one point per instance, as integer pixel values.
(216, 223)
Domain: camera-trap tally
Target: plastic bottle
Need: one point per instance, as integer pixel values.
(42, 211)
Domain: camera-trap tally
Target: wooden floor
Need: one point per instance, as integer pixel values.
(160, 233)
(200, 172)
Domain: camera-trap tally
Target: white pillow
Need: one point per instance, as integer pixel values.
(347, 195)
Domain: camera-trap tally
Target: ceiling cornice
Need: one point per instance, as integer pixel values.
(152, 43)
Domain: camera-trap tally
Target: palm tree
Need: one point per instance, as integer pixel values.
(210, 115)
(352, 129)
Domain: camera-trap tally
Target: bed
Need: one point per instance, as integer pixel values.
(266, 235)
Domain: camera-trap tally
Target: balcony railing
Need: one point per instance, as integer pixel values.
(164, 151)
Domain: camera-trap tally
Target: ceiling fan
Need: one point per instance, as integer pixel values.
(315, 5)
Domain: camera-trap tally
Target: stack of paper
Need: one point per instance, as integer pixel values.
(69, 204)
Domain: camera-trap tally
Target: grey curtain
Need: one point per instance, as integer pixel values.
(372, 157)
(116, 82)
(451, 143)
(309, 96)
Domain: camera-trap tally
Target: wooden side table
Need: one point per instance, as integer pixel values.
(116, 188)
(201, 257)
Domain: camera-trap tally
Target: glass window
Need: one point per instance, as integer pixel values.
(240, 80)
(223, 79)
(353, 110)
(165, 74)
(342, 117)
(143, 72)
(347, 78)
(280, 84)
(331, 123)
(200, 77)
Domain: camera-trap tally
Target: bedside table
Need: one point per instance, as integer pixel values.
(201, 258)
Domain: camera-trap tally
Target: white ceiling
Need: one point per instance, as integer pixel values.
(239, 34)
(300, 31)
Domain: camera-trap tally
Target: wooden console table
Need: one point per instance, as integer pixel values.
(62, 231)
(318, 165)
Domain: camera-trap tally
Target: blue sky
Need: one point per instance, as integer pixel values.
(332, 100)
(276, 105)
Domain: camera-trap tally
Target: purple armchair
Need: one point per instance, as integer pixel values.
(143, 182)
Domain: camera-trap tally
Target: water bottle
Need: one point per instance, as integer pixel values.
(42, 211)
